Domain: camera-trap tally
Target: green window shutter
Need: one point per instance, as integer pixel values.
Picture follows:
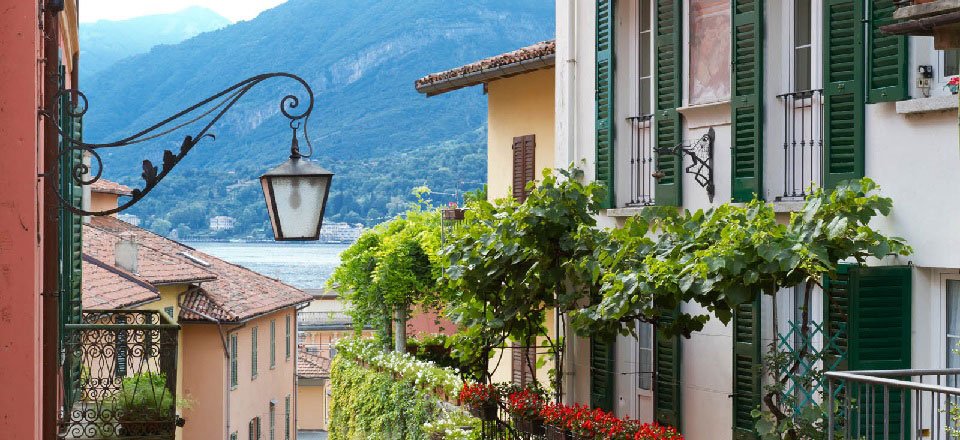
(233, 360)
(287, 344)
(886, 57)
(747, 380)
(843, 91)
(253, 353)
(747, 102)
(667, 393)
(668, 123)
(605, 97)
(273, 343)
(836, 306)
(286, 418)
(878, 323)
(601, 373)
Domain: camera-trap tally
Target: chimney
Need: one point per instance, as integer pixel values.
(126, 252)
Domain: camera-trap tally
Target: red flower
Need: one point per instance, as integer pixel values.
(525, 403)
(478, 395)
(954, 81)
(596, 423)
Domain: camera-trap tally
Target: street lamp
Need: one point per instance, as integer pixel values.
(295, 191)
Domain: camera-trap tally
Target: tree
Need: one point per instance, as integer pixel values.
(390, 269)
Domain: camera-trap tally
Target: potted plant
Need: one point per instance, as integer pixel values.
(524, 406)
(144, 406)
(481, 399)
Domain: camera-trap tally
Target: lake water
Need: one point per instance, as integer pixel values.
(306, 266)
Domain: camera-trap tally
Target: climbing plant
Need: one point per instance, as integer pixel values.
(725, 256)
(510, 264)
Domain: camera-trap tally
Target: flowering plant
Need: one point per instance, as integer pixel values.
(526, 403)
(477, 394)
(954, 81)
(424, 374)
(596, 423)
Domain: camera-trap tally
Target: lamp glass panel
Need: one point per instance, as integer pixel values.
(299, 202)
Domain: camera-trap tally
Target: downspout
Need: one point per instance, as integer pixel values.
(51, 221)
(569, 373)
(226, 350)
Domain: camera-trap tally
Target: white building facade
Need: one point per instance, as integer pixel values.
(797, 92)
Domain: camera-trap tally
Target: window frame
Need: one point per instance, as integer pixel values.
(287, 344)
(286, 415)
(788, 22)
(273, 420)
(648, 391)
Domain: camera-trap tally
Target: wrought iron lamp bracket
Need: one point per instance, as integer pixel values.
(701, 155)
(216, 105)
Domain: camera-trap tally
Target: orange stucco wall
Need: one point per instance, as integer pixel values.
(252, 396)
(312, 407)
(205, 382)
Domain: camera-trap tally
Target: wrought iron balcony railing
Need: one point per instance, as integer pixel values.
(120, 376)
(802, 142)
(642, 166)
(894, 404)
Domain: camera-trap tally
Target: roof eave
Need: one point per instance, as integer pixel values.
(486, 75)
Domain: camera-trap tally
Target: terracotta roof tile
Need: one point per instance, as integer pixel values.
(488, 69)
(110, 187)
(154, 266)
(236, 294)
(106, 287)
(311, 366)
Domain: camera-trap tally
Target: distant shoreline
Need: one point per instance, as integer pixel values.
(238, 241)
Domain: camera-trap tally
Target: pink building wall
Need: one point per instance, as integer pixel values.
(20, 216)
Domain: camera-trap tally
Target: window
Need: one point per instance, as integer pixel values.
(273, 419)
(639, 130)
(802, 45)
(273, 345)
(952, 328)
(286, 418)
(524, 165)
(523, 360)
(169, 311)
(254, 428)
(253, 353)
(645, 356)
(709, 51)
(233, 436)
(233, 360)
(287, 344)
(949, 61)
(645, 58)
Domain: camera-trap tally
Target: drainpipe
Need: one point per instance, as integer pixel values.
(51, 221)
(570, 340)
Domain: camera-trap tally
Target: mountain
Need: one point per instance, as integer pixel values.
(369, 126)
(105, 42)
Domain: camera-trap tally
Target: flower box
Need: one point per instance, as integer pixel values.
(557, 433)
(485, 412)
(530, 425)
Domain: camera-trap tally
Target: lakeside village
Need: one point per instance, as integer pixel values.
(702, 220)
(331, 233)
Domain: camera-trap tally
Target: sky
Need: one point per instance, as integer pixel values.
(233, 10)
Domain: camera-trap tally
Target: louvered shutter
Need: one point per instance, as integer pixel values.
(516, 364)
(843, 91)
(668, 123)
(605, 97)
(233, 360)
(524, 165)
(747, 102)
(878, 323)
(518, 182)
(667, 392)
(253, 353)
(601, 373)
(837, 309)
(747, 381)
(886, 55)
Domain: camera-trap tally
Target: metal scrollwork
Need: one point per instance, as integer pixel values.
(701, 153)
(216, 105)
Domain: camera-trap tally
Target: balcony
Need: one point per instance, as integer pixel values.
(894, 404)
(937, 18)
(120, 376)
(324, 321)
(642, 166)
(802, 143)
